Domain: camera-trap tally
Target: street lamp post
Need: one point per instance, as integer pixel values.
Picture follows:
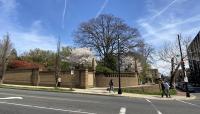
(119, 89)
(183, 68)
(72, 73)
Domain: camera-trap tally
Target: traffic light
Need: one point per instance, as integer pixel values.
(172, 64)
(183, 64)
(172, 60)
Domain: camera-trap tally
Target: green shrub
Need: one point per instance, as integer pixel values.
(141, 91)
(103, 69)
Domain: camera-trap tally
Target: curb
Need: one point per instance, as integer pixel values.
(109, 95)
(152, 98)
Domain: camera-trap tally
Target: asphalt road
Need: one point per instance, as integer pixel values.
(37, 102)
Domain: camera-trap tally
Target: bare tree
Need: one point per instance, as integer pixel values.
(5, 50)
(102, 34)
(146, 51)
(171, 50)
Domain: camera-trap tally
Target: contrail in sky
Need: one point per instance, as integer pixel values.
(63, 16)
(102, 8)
(163, 10)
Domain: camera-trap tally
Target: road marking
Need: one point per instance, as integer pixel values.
(122, 110)
(148, 100)
(189, 103)
(47, 108)
(158, 111)
(11, 98)
(52, 98)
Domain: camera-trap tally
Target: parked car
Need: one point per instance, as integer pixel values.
(190, 88)
(181, 86)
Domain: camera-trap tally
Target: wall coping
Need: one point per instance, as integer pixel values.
(123, 74)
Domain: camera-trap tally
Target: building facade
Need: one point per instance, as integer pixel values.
(193, 52)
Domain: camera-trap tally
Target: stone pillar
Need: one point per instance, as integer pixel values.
(84, 79)
(35, 78)
(94, 71)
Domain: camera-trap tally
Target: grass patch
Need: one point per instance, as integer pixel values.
(36, 88)
(145, 91)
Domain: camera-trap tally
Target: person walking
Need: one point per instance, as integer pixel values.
(166, 85)
(59, 81)
(111, 86)
(163, 89)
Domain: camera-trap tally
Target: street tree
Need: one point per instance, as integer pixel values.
(5, 50)
(146, 51)
(143, 59)
(169, 51)
(13, 54)
(57, 63)
(81, 57)
(65, 53)
(39, 56)
(131, 64)
(102, 34)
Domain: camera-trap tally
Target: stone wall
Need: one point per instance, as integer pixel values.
(127, 79)
(80, 79)
(22, 77)
(48, 79)
(90, 79)
(148, 88)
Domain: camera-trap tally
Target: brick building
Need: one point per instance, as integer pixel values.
(193, 52)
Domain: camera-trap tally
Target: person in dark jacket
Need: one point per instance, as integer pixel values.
(163, 89)
(166, 85)
(111, 86)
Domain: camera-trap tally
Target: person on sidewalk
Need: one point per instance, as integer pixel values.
(59, 82)
(166, 85)
(163, 89)
(111, 86)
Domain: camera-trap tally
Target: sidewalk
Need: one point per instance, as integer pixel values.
(104, 92)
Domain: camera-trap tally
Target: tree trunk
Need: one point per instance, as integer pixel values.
(172, 80)
(3, 71)
(57, 65)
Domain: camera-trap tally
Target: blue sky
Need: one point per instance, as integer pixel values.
(38, 23)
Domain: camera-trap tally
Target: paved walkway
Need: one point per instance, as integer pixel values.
(104, 92)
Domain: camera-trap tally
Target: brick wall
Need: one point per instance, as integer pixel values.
(47, 79)
(127, 79)
(149, 88)
(90, 79)
(80, 79)
(23, 77)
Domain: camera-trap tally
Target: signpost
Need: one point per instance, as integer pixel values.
(183, 69)
(72, 73)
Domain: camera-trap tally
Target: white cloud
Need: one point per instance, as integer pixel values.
(166, 26)
(102, 8)
(163, 10)
(163, 24)
(22, 38)
(63, 15)
(25, 41)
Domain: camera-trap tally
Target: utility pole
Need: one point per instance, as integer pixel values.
(183, 69)
(119, 50)
(136, 70)
(57, 63)
(172, 70)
